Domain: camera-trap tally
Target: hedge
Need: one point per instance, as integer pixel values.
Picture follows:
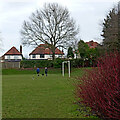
(56, 63)
(41, 63)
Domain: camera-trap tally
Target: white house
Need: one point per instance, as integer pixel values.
(12, 55)
(43, 52)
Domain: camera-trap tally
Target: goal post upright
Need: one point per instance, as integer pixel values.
(63, 72)
(63, 68)
(69, 68)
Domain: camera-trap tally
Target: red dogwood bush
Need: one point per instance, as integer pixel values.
(99, 88)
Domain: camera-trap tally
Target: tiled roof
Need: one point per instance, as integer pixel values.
(92, 44)
(43, 49)
(13, 51)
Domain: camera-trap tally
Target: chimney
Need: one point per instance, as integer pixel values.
(20, 48)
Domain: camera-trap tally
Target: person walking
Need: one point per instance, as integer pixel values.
(38, 71)
(46, 70)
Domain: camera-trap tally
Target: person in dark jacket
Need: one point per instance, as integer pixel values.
(46, 70)
(38, 71)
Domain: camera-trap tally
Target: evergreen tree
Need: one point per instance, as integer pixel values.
(110, 31)
(119, 24)
(70, 52)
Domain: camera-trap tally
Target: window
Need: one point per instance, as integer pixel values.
(8, 57)
(33, 56)
(41, 55)
(15, 57)
(59, 56)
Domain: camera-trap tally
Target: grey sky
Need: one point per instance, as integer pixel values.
(88, 14)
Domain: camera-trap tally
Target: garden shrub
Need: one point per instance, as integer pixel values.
(76, 62)
(36, 63)
(57, 63)
(99, 88)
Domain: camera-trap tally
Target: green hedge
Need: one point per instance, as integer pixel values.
(41, 63)
(55, 64)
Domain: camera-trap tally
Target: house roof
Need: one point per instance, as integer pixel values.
(92, 44)
(13, 51)
(2, 57)
(43, 49)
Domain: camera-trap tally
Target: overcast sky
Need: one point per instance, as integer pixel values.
(88, 14)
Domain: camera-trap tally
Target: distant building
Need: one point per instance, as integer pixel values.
(12, 55)
(12, 58)
(43, 52)
(76, 54)
(92, 44)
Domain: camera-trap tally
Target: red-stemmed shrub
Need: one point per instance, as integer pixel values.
(99, 88)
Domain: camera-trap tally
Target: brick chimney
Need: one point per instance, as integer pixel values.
(20, 48)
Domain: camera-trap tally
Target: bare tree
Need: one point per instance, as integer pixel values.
(52, 25)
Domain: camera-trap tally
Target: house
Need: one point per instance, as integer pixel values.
(76, 54)
(12, 55)
(92, 44)
(2, 59)
(12, 58)
(42, 52)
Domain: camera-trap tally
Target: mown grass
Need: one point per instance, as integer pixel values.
(30, 96)
(30, 71)
(74, 71)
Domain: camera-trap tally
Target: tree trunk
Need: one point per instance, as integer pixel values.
(53, 55)
(53, 52)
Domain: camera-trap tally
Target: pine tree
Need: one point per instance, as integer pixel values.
(70, 52)
(110, 31)
(119, 24)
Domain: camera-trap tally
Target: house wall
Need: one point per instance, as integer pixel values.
(76, 56)
(1, 61)
(38, 57)
(45, 57)
(11, 57)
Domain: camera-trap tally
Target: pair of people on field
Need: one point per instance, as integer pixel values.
(38, 71)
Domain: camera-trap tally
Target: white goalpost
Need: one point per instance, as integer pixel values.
(63, 71)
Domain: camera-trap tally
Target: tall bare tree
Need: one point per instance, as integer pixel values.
(52, 25)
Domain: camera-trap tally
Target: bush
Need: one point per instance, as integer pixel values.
(58, 63)
(41, 63)
(77, 62)
(99, 87)
(36, 63)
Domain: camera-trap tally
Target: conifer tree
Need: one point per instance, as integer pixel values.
(70, 52)
(110, 32)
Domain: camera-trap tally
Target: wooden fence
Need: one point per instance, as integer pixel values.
(6, 65)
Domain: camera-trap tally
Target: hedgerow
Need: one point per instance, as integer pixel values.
(57, 63)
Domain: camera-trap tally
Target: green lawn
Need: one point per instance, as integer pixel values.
(41, 97)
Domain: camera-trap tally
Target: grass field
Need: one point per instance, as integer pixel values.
(41, 97)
